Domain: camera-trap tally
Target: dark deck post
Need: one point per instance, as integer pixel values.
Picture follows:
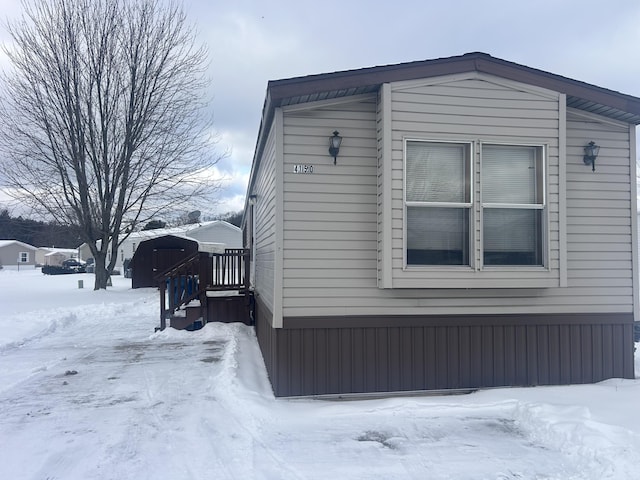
(247, 269)
(163, 304)
(205, 272)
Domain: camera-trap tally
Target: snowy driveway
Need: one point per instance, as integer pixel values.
(93, 393)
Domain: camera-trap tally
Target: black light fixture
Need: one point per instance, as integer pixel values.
(334, 145)
(590, 154)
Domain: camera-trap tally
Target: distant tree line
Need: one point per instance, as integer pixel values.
(234, 218)
(38, 234)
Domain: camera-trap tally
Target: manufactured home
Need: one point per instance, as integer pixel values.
(446, 224)
(15, 254)
(54, 256)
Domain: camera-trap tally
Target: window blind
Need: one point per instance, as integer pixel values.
(435, 172)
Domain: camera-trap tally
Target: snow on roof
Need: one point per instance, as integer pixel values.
(62, 251)
(178, 231)
(203, 246)
(5, 243)
(59, 250)
(181, 231)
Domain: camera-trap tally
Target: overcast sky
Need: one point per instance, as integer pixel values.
(251, 42)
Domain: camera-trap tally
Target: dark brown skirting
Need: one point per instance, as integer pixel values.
(315, 356)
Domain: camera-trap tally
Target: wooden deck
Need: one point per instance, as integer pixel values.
(206, 287)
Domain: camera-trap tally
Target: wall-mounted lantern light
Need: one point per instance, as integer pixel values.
(334, 145)
(252, 199)
(590, 154)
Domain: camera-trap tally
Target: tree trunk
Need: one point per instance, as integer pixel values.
(101, 273)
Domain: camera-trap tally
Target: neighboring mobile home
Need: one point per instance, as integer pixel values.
(15, 254)
(54, 256)
(459, 238)
(216, 231)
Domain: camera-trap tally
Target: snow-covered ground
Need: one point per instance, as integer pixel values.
(89, 391)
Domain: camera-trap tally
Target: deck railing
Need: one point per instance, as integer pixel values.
(230, 270)
(200, 272)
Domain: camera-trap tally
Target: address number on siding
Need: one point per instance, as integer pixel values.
(303, 169)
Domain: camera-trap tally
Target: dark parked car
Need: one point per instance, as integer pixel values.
(71, 265)
(77, 266)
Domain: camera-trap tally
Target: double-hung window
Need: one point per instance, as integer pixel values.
(441, 225)
(512, 183)
(438, 203)
(23, 257)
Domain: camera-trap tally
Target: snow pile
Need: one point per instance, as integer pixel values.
(89, 391)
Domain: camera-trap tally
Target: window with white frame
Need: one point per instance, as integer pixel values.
(513, 205)
(438, 203)
(23, 257)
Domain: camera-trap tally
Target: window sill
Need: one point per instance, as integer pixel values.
(466, 277)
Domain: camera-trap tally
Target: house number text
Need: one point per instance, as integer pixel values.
(303, 169)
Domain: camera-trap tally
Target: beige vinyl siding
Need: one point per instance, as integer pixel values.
(599, 210)
(330, 215)
(332, 264)
(477, 109)
(265, 234)
(10, 254)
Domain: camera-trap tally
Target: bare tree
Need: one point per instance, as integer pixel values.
(103, 119)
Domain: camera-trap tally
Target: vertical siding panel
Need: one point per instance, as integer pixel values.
(628, 352)
(453, 362)
(476, 354)
(321, 360)
(383, 359)
(487, 355)
(608, 351)
(294, 362)
(618, 348)
(395, 359)
(543, 355)
(587, 354)
(333, 360)
(532, 355)
(499, 355)
(346, 363)
(370, 359)
(442, 355)
(510, 358)
(565, 354)
(357, 358)
(465, 356)
(576, 356)
(284, 361)
(596, 348)
(406, 356)
(431, 360)
(441, 358)
(308, 359)
(521, 355)
(418, 357)
(555, 357)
